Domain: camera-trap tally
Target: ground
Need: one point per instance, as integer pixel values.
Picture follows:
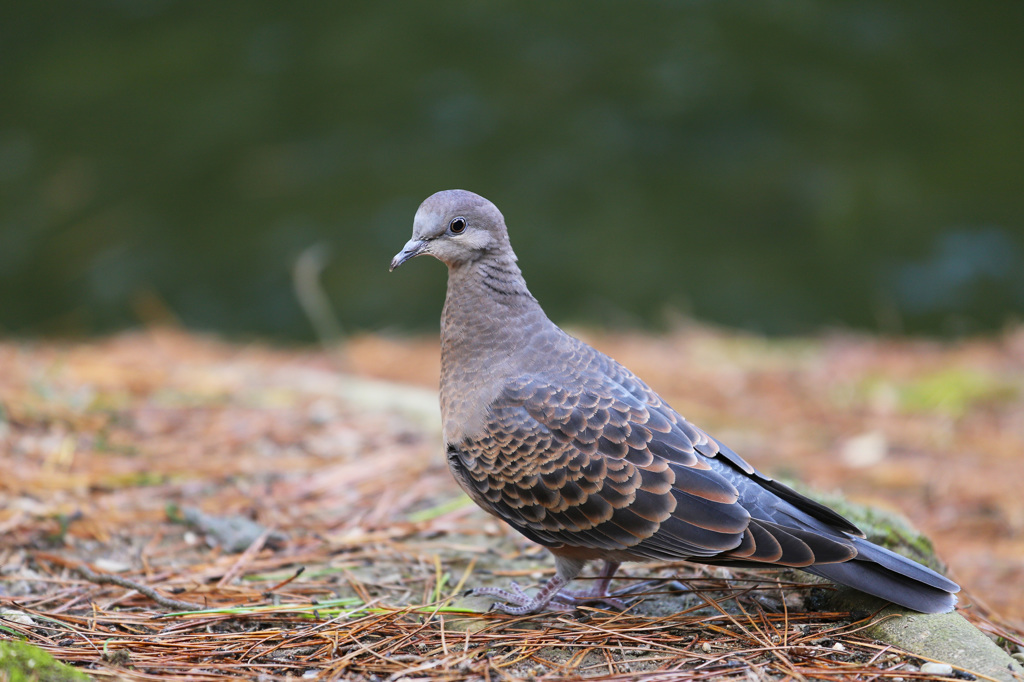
(214, 472)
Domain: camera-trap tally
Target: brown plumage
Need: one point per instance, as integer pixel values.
(575, 452)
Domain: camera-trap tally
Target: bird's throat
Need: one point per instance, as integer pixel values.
(489, 319)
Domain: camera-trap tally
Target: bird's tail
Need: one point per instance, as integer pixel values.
(888, 575)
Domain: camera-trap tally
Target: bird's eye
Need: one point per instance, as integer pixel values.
(457, 225)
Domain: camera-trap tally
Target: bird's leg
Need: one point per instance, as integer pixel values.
(518, 603)
(597, 593)
(551, 594)
(616, 600)
(604, 579)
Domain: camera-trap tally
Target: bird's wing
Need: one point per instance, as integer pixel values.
(608, 466)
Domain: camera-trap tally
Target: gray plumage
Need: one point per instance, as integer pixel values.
(579, 455)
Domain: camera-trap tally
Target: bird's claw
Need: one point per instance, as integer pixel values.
(517, 602)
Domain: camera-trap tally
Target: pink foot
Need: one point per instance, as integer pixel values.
(518, 603)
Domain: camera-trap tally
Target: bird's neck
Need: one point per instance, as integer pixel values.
(486, 300)
(489, 319)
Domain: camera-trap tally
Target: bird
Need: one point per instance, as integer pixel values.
(581, 456)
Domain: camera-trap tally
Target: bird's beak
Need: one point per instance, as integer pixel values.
(412, 248)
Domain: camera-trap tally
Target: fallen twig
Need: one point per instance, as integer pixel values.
(107, 579)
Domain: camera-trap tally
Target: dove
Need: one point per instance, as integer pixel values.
(581, 456)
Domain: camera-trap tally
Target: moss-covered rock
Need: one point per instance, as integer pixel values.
(21, 662)
(945, 637)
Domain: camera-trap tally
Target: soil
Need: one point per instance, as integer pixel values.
(214, 471)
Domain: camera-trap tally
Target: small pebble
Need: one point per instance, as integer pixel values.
(111, 566)
(16, 616)
(706, 648)
(937, 668)
(838, 646)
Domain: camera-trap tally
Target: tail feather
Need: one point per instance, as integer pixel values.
(888, 575)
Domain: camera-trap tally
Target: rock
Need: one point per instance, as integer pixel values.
(16, 616)
(937, 668)
(947, 637)
(233, 533)
(941, 636)
(865, 450)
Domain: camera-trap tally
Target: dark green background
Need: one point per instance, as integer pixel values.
(780, 166)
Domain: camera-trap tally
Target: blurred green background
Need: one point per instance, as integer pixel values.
(778, 166)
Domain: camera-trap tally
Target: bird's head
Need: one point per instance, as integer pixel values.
(455, 227)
